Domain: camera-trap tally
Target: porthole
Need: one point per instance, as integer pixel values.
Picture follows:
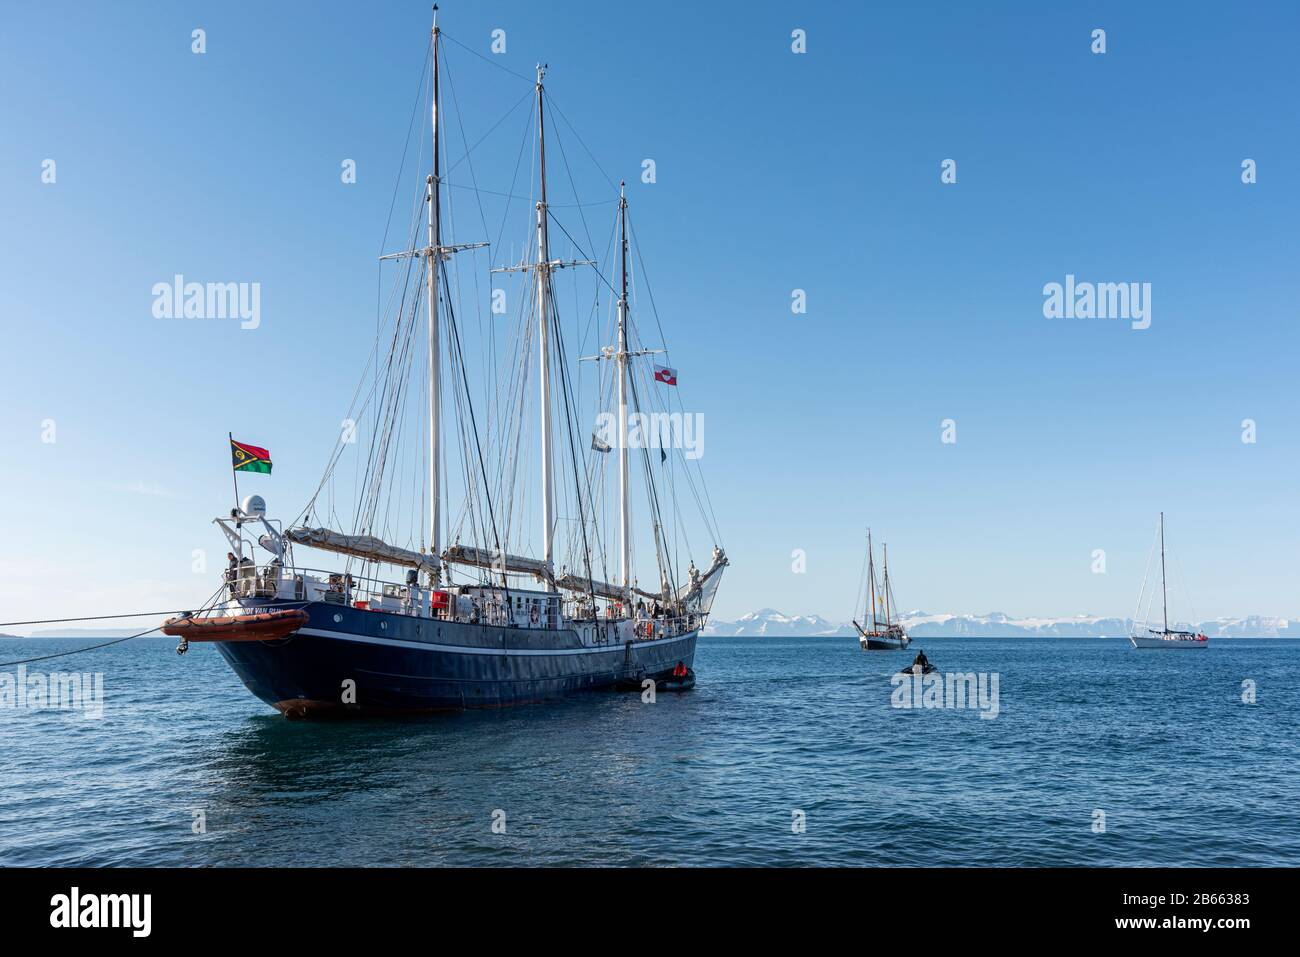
(338, 619)
(383, 625)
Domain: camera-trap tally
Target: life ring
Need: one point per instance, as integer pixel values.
(533, 616)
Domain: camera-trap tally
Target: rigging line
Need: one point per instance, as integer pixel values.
(381, 444)
(514, 178)
(105, 644)
(479, 142)
(570, 412)
(652, 493)
(574, 187)
(341, 446)
(556, 109)
(494, 192)
(56, 621)
(455, 335)
(711, 518)
(426, 88)
(581, 252)
(1146, 572)
(490, 354)
(527, 79)
(77, 651)
(415, 107)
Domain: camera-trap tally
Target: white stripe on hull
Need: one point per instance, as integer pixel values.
(479, 650)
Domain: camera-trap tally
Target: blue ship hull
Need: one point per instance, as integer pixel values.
(400, 663)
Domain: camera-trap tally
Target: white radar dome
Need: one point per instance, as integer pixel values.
(254, 506)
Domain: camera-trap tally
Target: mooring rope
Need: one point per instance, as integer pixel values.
(104, 644)
(64, 654)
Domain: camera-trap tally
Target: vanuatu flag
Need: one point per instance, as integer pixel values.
(249, 458)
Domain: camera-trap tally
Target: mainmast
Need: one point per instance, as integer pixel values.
(433, 186)
(1164, 592)
(543, 325)
(624, 506)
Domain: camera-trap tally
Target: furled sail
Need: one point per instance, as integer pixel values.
(360, 546)
(517, 564)
(495, 560)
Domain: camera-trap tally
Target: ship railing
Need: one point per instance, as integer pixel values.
(651, 629)
(364, 592)
(371, 593)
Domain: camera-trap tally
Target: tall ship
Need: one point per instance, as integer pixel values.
(489, 557)
(1163, 637)
(881, 633)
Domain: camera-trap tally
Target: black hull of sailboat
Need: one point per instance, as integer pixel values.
(398, 664)
(878, 643)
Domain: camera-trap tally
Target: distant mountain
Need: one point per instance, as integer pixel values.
(86, 632)
(919, 624)
(768, 621)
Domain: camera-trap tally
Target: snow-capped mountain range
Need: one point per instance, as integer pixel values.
(919, 624)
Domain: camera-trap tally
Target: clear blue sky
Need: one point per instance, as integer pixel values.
(776, 171)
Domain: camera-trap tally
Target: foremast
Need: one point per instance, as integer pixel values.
(434, 255)
(433, 198)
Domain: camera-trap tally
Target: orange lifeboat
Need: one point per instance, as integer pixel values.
(262, 626)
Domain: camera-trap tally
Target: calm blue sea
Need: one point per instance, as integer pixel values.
(1160, 741)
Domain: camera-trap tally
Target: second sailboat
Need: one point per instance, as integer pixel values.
(882, 632)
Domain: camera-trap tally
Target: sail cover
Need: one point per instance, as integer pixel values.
(495, 560)
(360, 546)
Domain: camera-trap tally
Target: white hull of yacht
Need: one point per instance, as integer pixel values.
(1154, 642)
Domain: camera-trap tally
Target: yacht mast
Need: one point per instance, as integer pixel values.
(543, 325)
(886, 560)
(1164, 592)
(871, 578)
(432, 190)
(624, 506)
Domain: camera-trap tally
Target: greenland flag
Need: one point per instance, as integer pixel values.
(665, 375)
